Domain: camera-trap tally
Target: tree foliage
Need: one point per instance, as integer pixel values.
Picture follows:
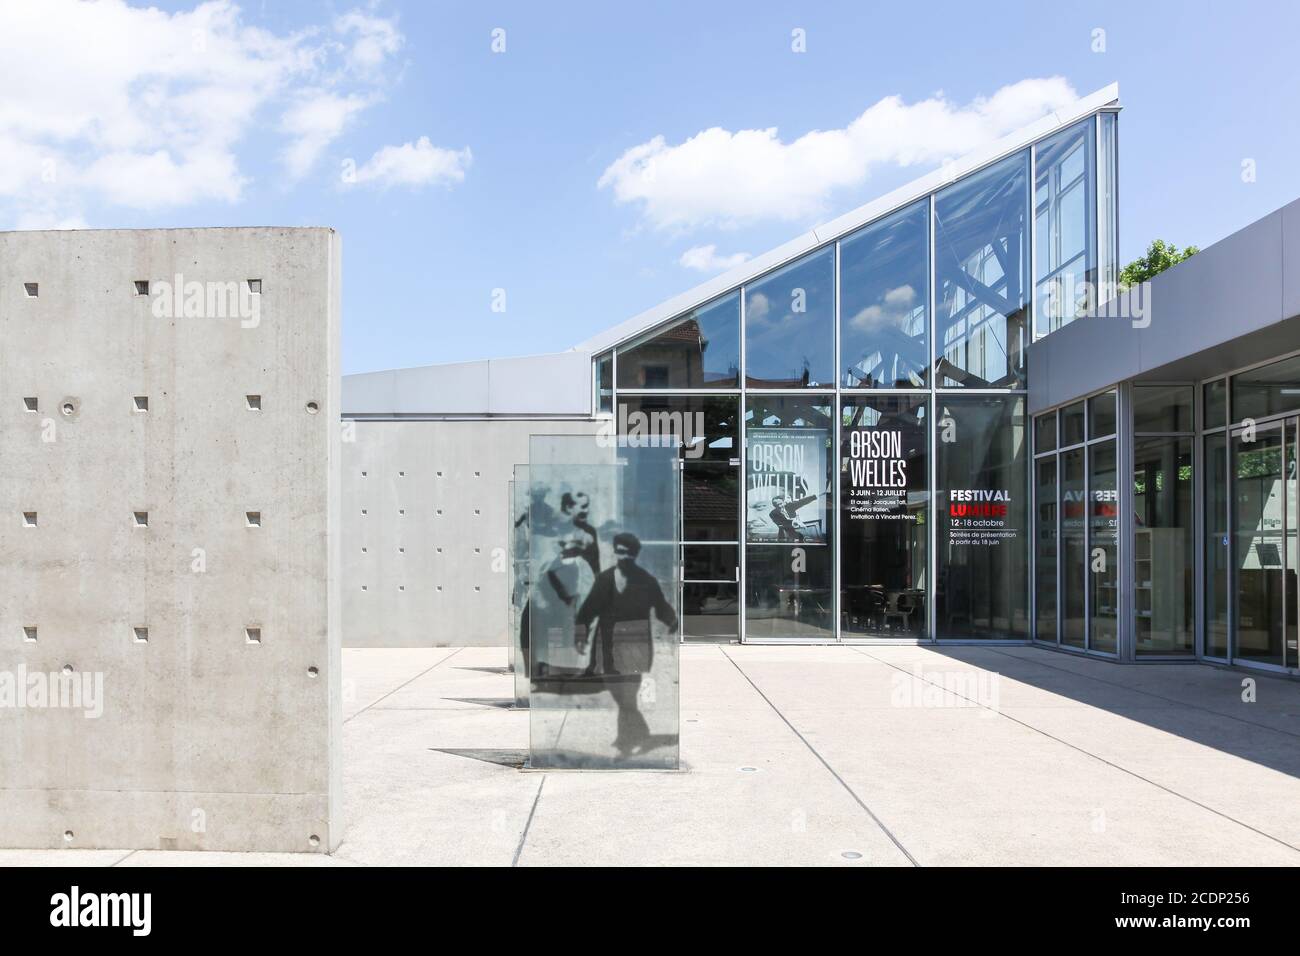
(1160, 255)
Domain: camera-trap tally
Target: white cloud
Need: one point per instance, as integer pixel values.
(106, 104)
(315, 121)
(376, 39)
(723, 178)
(414, 164)
(706, 259)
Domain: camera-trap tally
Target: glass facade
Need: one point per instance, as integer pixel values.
(884, 306)
(981, 269)
(856, 458)
(1065, 226)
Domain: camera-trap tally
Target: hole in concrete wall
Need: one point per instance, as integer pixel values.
(313, 672)
(253, 519)
(401, 587)
(32, 289)
(477, 512)
(313, 408)
(253, 635)
(478, 550)
(477, 588)
(439, 474)
(29, 634)
(364, 473)
(67, 670)
(142, 403)
(478, 474)
(401, 551)
(438, 511)
(141, 519)
(439, 587)
(401, 511)
(68, 407)
(364, 588)
(440, 550)
(31, 404)
(401, 474)
(254, 402)
(255, 286)
(314, 840)
(141, 286)
(364, 511)
(29, 519)
(141, 634)
(67, 836)
(364, 550)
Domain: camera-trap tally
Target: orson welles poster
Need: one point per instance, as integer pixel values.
(785, 490)
(877, 472)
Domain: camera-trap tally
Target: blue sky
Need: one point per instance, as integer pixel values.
(453, 171)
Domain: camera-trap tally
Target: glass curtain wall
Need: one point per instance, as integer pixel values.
(1164, 557)
(1076, 507)
(894, 354)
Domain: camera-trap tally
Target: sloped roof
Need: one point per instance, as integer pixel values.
(950, 172)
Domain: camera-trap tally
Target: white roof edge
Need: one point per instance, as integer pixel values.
(485, 361)
(840, 226)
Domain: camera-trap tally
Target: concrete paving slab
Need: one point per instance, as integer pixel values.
(800, 755)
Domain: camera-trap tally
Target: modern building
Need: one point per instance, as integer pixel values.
(917, 423)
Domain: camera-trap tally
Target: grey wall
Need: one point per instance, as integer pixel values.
(555, 384)
(206, 741)
(438, 491)
(1230, 305)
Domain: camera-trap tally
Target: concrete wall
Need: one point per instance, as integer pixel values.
(425, 522)
(206, 740)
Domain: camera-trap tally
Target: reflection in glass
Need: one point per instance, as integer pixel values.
(1103, 558)
(789, 590)
(605, 383)
(1216, 546)
(1163, 559)
(699, 350)
(1216, 404)
(520, 586)
(1266, 391)
(1072, 424)
(710, 612)
(603, 616)
(981, 511)
(1045, 432)
(790, 325)
(884, 301)
(1101, 415)
(1073, 550)
(1162, 408)
(981, 273)
(1045, 555)
(1064, 227)
(1257, 516)
(884, 498)
(707, 428)
(1108, 207)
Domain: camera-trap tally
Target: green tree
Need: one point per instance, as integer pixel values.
(1160, 255)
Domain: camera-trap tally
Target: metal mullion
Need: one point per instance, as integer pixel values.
(932, 476)
(742, 599)
(834, 460)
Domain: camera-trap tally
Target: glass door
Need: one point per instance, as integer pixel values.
(1264, 475)
(1290, 558)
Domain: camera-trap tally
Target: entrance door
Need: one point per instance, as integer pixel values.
(1264, 525)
